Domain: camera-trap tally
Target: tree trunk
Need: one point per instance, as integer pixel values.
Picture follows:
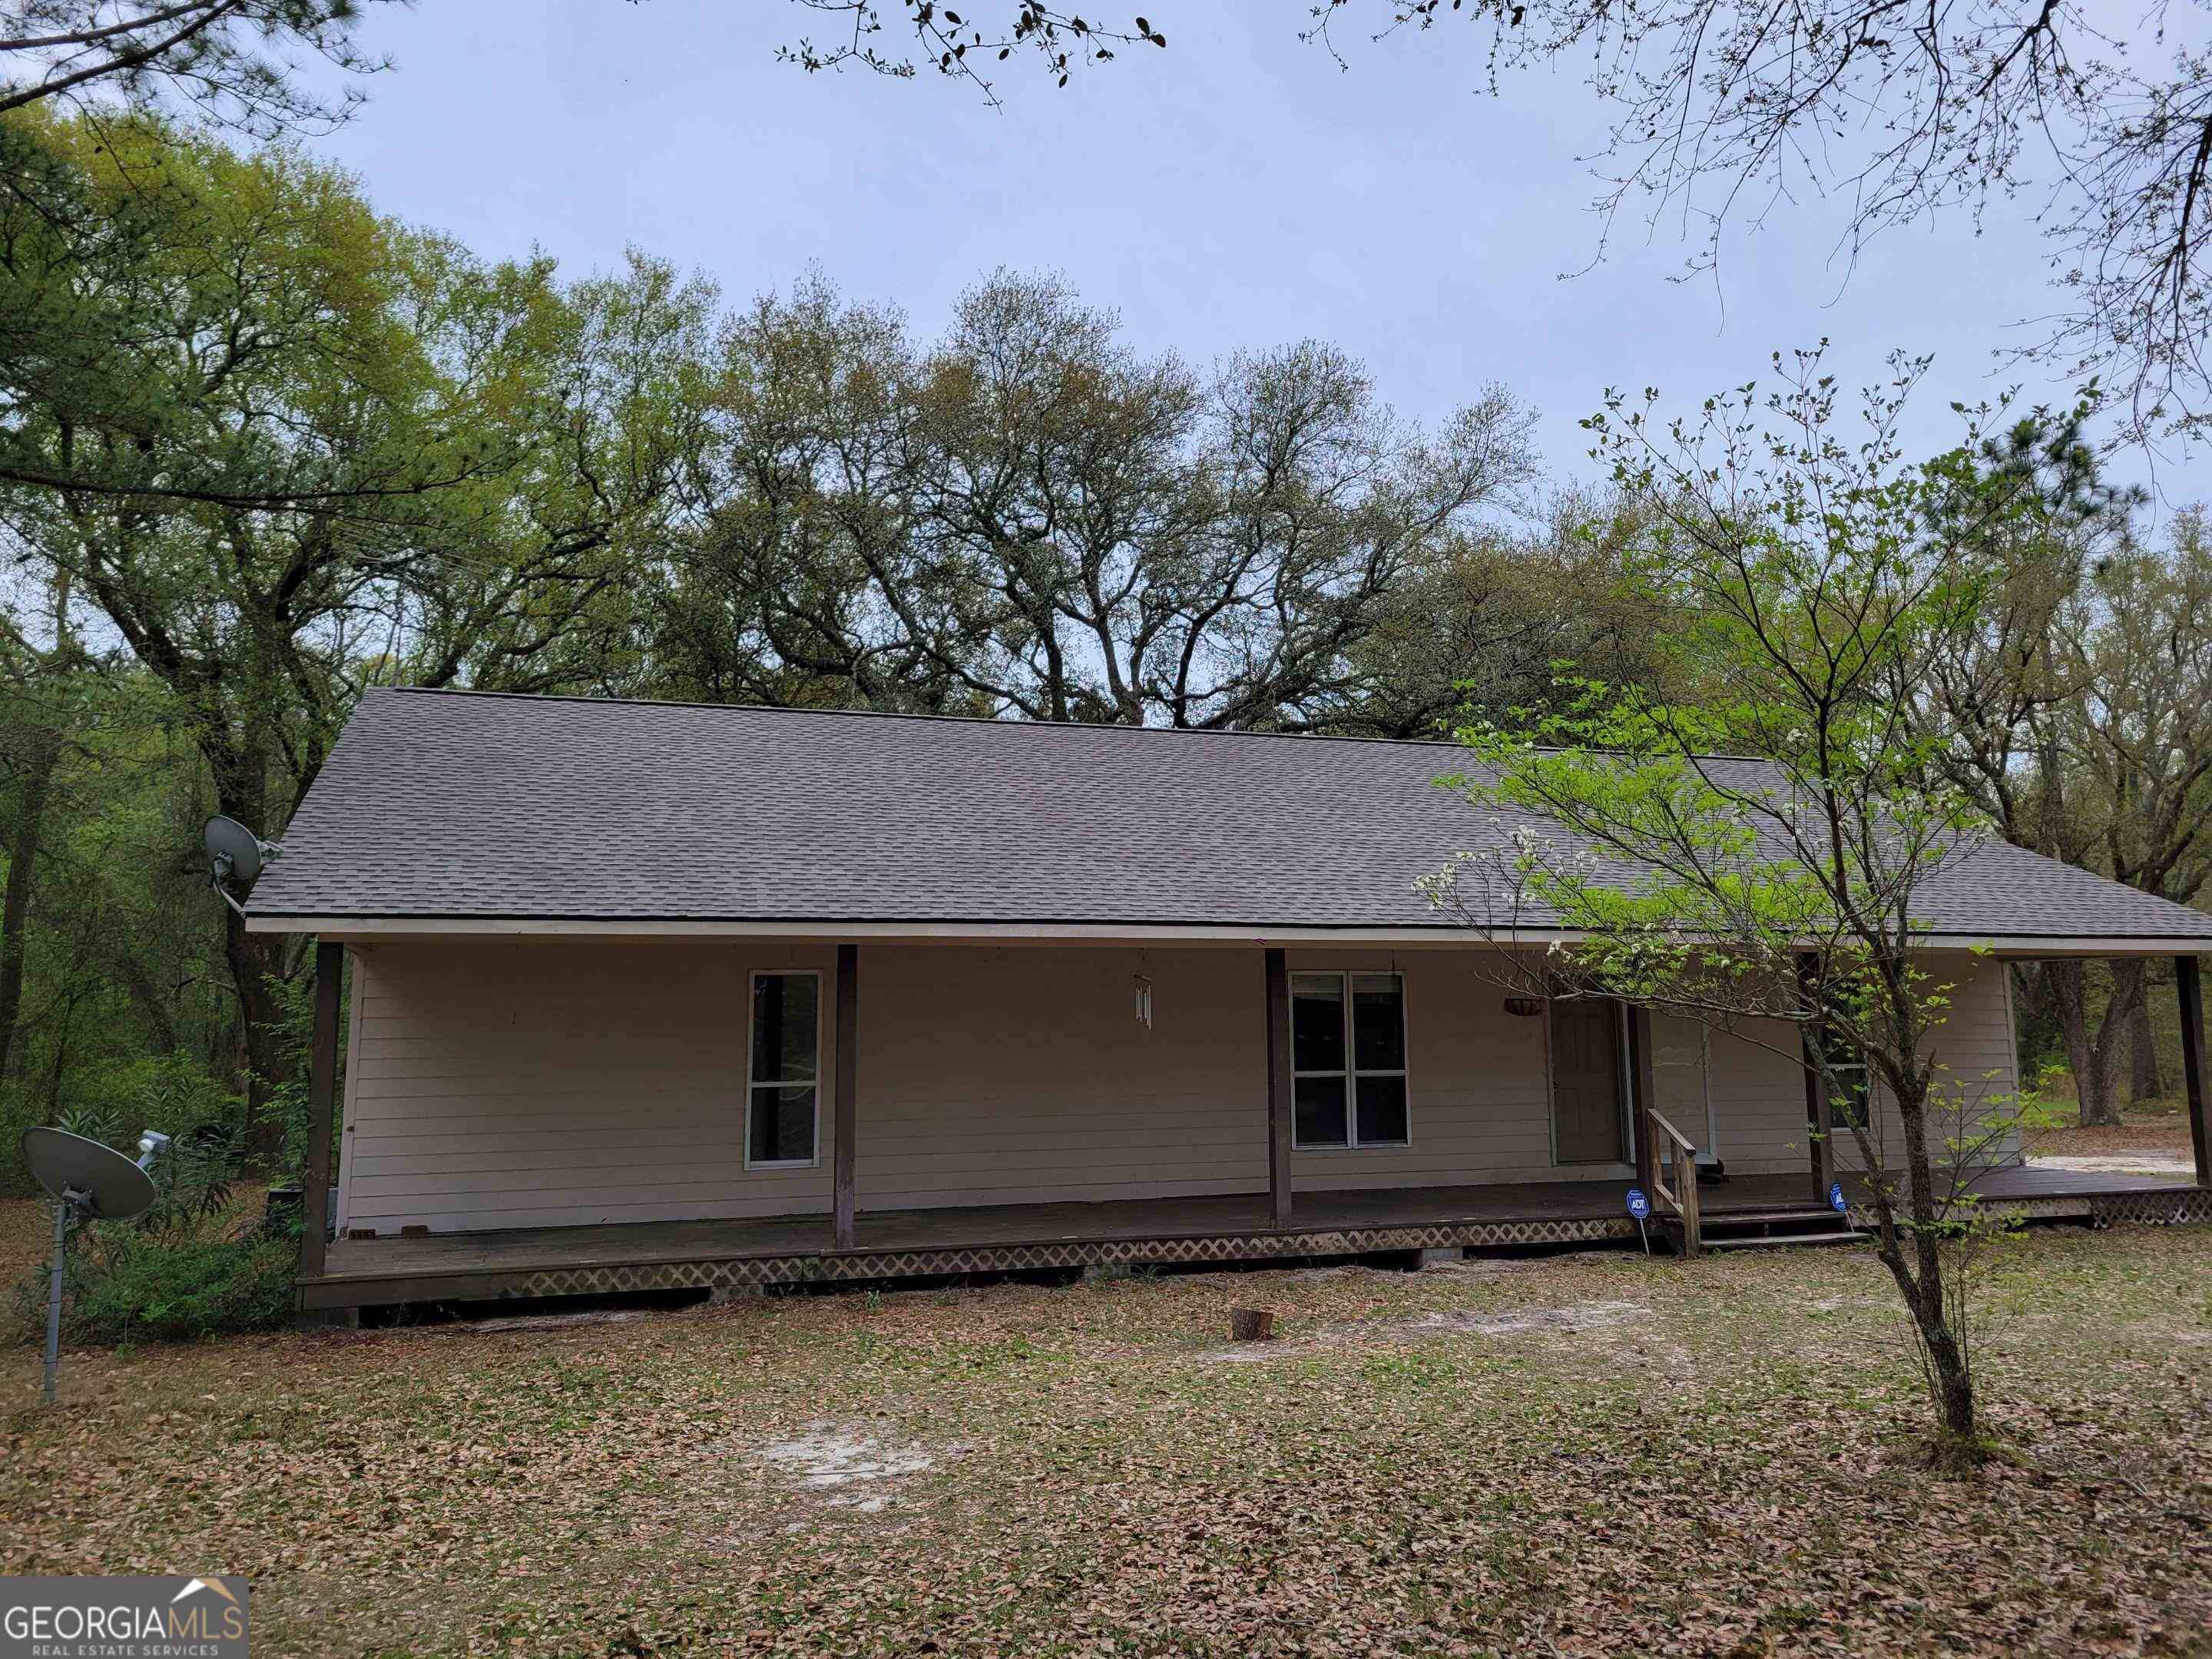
(161, 1022)
(1950, 1379)
(2089, 1051)
(2144, 1081)
(38, 778)
(255, 959)
(1915, 1259)
(2036, 1035)
(240, 764)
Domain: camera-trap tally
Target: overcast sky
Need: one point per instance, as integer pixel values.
(1236, 191)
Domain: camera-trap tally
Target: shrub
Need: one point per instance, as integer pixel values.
(124, 1286)
(179, 1291)
(191, 1264)
(172, 1093)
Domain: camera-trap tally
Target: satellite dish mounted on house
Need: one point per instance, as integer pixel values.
(235, 852)
(88, 1182)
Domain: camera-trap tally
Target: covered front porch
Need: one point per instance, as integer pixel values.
(551, 1118)
(747, 1254)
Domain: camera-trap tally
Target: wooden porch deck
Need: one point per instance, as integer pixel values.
(730, 1255)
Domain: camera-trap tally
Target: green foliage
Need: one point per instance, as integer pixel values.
(195, 1175)
(279, 448)
(185, 326)
(1784, 805)
(1764, 848)
(295, 1035)
(122, 950)
(123, 1286)
(167, 1092)
(231, 62)
(181, 1269)
(1029, 517)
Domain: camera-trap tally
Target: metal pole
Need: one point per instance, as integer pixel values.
(62, 1208)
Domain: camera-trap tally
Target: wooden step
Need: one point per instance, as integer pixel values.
(1720, 1218)
(1846, 1236)
(1722, 1221)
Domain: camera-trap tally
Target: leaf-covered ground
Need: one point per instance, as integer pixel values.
(1579, 1455)
(2160, 1126)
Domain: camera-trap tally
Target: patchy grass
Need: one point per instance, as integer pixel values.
(1447, 1462)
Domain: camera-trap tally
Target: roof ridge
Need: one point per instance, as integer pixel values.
(905, 714)
(995, 720)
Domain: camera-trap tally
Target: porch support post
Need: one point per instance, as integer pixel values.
(2192, 1062)
(1819, 1116)
(843, 1135)
(1281, 1126)
(322, 1109)
(1639, 1096)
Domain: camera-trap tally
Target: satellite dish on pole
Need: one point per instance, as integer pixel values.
(105, 1184)
(236, 853)
(88, 1182)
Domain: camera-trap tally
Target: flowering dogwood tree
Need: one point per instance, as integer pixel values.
(1765, 851)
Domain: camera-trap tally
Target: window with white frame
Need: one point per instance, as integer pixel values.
(784, 1077)
(1349, 1060)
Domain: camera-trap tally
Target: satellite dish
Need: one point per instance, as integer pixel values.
(234, 852)
(88, 1182)
(106, 1185)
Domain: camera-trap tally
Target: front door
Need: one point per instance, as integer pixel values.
(1588, 1122)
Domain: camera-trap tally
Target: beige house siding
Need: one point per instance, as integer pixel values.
(1759, 1088)
(531, 1084)
(1023, 1075)
(1477, 1080)
(493, 1085)
(1976, 1065)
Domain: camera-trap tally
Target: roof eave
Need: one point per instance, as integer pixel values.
(373, 927)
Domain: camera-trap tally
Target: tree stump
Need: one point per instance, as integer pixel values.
(1251, 1325)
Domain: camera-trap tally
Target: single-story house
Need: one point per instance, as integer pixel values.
(651, 994)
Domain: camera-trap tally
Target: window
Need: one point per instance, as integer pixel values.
(1848, 1078)
(784, 1081)
(1848, 1086)
(1349, 1060)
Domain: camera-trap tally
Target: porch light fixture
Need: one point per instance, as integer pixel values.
(1145, 1001)
(1525, 1008)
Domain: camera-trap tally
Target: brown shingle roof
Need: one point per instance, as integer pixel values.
(458, 805)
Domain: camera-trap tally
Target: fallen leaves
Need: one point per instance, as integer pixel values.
(1584, 1454)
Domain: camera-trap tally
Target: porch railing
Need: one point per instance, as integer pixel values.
(1681, 1195)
